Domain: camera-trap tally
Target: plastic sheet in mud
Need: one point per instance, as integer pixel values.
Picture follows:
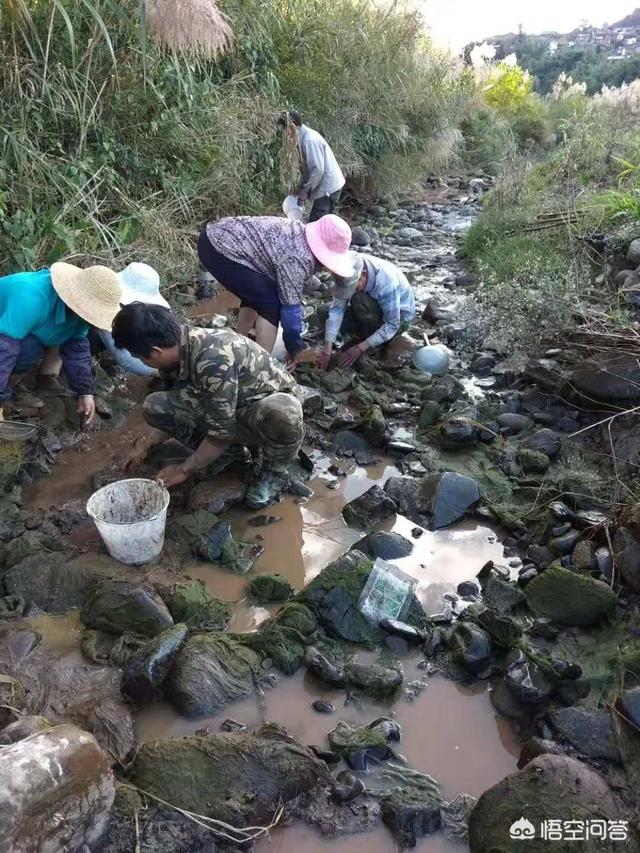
(386, 594)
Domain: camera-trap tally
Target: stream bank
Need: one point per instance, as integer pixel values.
(493, 662)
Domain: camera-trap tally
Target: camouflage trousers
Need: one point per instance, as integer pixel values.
(273, 428)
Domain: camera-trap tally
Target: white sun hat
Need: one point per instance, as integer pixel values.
(141, 283)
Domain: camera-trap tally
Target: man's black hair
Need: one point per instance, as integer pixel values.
(295, 117)
(139, 328)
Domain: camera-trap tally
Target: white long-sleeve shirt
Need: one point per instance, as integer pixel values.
(389, 286)
(321, 174)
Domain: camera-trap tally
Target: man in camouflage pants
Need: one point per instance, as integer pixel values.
(225, 389)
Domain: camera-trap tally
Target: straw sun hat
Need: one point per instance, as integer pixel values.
(93, 293)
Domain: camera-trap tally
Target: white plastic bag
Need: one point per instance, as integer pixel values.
(386, 594)
(292, 209)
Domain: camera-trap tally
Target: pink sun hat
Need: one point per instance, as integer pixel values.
(329, 239)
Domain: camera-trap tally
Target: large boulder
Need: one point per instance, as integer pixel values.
(551, 787)
(448, 496)
(570, 599)
(370, 509)
(209, 671)
(239, 778)
(55, 584)
(56, 791)
(121, 606)
(609, 380)
(589, 730)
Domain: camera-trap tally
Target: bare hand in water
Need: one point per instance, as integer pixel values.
(172, 475)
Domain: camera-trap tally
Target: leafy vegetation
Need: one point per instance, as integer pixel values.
(115, 146)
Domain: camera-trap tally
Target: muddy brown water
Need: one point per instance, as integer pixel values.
(449, 731)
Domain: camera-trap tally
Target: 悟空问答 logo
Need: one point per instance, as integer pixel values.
(522, 829)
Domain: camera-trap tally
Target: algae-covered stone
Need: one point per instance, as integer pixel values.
(194, 606)
(219, 545)
(502, 596)
(503, 631)
(284, 638)
(374, 426)
(430, 414)
(412, 812)
(31, 542)
(370, 509)
(570, 599)
(533, 461)
(146, 670)
(373, 679)
(240, 778)
(210, 671)
(551, 787)
(268, 589)
(359, 745)
(122, 606)
(470, 646)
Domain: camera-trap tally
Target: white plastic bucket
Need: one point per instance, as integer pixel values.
(292, 209)
(130, 516)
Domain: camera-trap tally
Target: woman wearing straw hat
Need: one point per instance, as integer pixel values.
(140, 283)
(267, 261)
(54, 308)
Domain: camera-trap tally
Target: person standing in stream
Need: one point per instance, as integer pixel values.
(267, 261)
(374, 304)
(225, 390)
(321, 179)
(48, 313)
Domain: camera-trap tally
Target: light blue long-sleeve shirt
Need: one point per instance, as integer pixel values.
(321, 174)
(389, 286)
(123, 357)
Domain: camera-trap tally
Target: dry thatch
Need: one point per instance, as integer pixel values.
(188, 26)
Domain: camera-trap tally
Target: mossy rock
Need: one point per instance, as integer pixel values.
(210, 671)
(197, 608)
(533, 461)
(412, 812)
(357, 743)
(551, 787)
(374, 426)
(11, 460)
(119, 607)
(570, 599)
(269, 589)
(285, 637)
(239, 778)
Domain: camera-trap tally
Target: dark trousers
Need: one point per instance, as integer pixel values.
(325, 204)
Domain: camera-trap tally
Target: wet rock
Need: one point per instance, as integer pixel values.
(470, 646)
(504, 631)
(374, 680)
(404, 631)
(55, 584)
(231, 725)
(216, 495)
(527, 574)
(589, 730)
(22, 728)
(374, 426)
(502, 596)
(544, 628)
(239, 778)
(220, 546)
(511, 423)
(347, 787)
(66, 809)
(527, 682)
(544, 441)
(563, 545)
(323, 707)
(285, 637)
(507, 704)
(560, 511)
(406, 493)
(412, 813)
(603, 562)
(469, 590)
(121, 606)
(334, 597)
(31, 542)
(147, 670)
(370, 509)
(572, 692)
(360, 237)
(570, 599)
(323, 669)
(629, 704)
(584, 556)
(312, 402)
(409, 233)
(359, 746)
(608, 380)
(533, 461)
(267, 589)
(209, 672)
(436, 309)
(534, 747)
(194, 606)
(483, 364)
(387, 546)
(430, 414)
(540, 555)
(448, 496)
(626, 549)
(454, 432)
